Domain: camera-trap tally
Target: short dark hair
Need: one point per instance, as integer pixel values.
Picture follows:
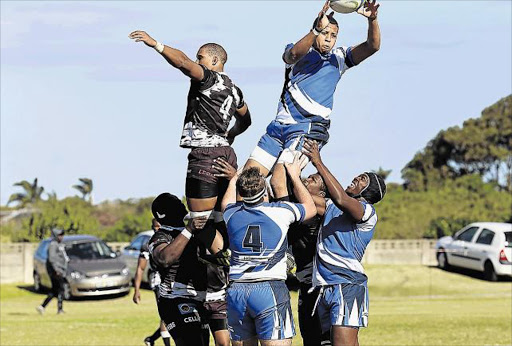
(331, 21)
(214, 49)
(250, 182)
(376, 189)
(168, 210)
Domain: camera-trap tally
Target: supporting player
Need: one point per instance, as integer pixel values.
(213, 100)
(302, 238)
(258, 299)
(174, 253)
(348, 226)
(313, 70)
(154, 281)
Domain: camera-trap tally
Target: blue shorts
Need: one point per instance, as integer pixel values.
(259, 309)
(282, 136)
(343, 305)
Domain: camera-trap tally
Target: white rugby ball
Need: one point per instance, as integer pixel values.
(346, 6)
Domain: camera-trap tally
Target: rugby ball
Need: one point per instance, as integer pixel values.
(346, 6)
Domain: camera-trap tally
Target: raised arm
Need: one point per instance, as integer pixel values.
(166, 254)
(372, 44)
(242, 123)
(301, 48)
(230, 195)
(299, 190)
(175, 57)
(338, 195)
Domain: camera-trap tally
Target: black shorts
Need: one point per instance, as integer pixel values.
(201, 179)
(310, 325)
(216, 315)
(182, 317)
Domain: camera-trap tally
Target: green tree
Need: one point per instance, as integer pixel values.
(85, 188)
(31, 193)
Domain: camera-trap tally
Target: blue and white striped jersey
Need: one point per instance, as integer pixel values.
(340, 246)
(257, 239)
(310, 84)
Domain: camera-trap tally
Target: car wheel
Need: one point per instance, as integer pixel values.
(442, 260)
(37, 282)
(489, 273)
(67, 291)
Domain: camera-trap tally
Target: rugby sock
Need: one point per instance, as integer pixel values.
(166, 337)
(155, 335)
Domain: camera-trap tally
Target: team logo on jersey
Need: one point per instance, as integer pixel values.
(160, 216)
(186, 309)
(171, 326)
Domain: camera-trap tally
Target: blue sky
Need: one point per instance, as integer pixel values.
(79, 99)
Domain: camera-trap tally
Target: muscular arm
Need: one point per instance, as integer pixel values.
(230, 195)
(182, 62)
(338, 195)
(372, 44)
(301, 48)
(166, 254)
(242, 123)
(175, 57)
(299, 190)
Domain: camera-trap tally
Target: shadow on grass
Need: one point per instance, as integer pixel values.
(44, 292)
(471, 273)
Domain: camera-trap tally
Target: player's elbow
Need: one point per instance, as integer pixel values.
(310, 209)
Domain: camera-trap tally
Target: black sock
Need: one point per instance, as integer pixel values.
(167, 341)
(155, 335)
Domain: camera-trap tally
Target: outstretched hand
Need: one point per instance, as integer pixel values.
(293, 169)
(142, 36)
(312, 151)
(370, 9)
(226, 170)
(323, 20)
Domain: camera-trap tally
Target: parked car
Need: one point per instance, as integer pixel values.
(93, 268)
(481, 246)
(131, 254)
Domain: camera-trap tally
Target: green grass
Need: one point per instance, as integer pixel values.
(409, 305)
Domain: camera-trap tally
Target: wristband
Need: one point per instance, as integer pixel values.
(159, 47)
(315, 32)
(186, 233)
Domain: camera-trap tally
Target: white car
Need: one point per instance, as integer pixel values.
(481, 246)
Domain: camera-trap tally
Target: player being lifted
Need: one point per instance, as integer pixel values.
(213, 100)
(313, 70)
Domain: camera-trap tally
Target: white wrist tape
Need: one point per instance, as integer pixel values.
(315, 32)
(186, 234)
(159, 47)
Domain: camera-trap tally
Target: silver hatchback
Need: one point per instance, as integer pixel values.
(93, 268)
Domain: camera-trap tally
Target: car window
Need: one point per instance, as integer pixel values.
(508, 239)
(138, 242)
(485, 237)
(467, 235)
(89, 250)
(42, 250)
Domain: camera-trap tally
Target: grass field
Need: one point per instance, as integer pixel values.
(409, 305)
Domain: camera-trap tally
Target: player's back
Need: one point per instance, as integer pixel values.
(258, 241)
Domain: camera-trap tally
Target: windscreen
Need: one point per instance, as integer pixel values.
(89, 250)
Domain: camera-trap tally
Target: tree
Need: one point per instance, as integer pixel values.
(481, 146)
(31, 194)
(85, 188)
(383, 172)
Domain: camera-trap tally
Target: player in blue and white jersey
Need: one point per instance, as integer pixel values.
(313, 68)
(258, 299)
(347, 228)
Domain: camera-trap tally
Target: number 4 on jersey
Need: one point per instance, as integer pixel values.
(252, 239)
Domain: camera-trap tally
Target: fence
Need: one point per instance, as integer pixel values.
(16, 259)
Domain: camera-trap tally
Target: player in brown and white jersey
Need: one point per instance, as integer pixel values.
(213, 100)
